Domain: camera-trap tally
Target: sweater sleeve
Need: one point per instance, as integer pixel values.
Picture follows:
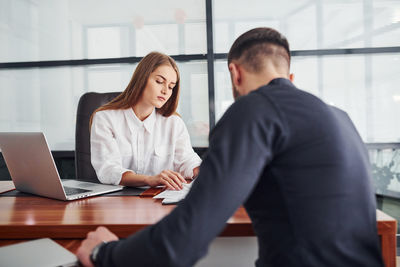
(240, 147)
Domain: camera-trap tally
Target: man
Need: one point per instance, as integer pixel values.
(298, 165)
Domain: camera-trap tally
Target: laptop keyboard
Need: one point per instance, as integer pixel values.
(74, 190)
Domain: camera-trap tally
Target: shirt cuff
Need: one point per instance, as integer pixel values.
(118, 175)
(113, 176)
(188, 173)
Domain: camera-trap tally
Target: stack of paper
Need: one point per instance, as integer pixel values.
(173, 196)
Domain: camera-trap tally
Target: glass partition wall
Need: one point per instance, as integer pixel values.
(52, 52)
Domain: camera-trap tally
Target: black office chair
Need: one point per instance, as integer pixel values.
(87, 104)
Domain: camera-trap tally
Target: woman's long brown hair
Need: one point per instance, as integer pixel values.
(134, 91)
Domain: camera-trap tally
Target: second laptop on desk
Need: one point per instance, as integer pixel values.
(32, 169)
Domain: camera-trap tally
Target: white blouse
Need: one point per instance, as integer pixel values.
(120, 142)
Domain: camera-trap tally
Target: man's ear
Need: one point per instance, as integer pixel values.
(291, 77)
(235, 74)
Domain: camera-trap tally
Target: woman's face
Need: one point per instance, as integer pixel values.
(159, 86)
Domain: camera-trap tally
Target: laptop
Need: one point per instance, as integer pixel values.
(32, 169)
(37, 253)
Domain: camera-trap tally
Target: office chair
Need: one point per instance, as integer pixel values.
(87, 104)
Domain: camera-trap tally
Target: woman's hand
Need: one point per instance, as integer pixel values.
(172, 180)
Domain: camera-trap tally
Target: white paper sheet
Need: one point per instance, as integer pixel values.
(174, 196)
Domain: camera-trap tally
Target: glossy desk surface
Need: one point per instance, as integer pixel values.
(23, 218)
(34, 217)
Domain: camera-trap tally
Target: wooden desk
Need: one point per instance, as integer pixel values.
(23, 218)
(387, 230)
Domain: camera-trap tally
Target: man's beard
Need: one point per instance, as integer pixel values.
(235, 92)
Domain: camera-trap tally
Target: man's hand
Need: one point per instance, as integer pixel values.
(93, 238)
(172, 180)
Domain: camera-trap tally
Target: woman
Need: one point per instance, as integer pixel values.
(138, 139)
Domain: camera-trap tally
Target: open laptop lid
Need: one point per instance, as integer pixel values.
(31, 164)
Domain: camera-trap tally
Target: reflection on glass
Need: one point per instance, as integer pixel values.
(73, 29)
(386, 23)
(163, 38)
(344, 86)
(108, 78)
(357, 84)
(46, 99)
(305, 70)
(223, 88)
(193, 102)
(311, 24)
(385, 107)
(104, 42)
(194, 43)
(386, 171)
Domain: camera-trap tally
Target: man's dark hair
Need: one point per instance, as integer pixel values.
(251, 47)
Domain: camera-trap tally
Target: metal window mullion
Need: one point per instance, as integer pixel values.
(210, 63)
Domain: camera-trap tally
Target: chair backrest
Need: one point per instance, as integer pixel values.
(88, 103)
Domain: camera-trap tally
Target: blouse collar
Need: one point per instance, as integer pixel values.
(135, 123)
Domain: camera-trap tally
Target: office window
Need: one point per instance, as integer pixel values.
(33, 31)
(360, 86)
(386, 97)
(107, 42)
(386, 23)
(55, 30)
(223, 88)
(195, 39)
(163, 38)
(193, 104)
(311, 24)
(41, 100)
(346, 89)
(45, 99)
(233, 18)
(386, 171)
(108, 78)
(356, 83)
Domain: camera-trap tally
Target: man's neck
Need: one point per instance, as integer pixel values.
(256, 80)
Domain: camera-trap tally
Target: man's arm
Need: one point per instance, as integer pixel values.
(240, 147)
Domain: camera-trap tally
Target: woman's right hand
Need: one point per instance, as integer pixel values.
(172, 180)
